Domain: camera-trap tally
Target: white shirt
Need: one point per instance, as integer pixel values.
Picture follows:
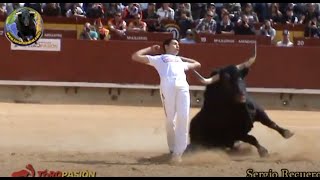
(281, 44)
(163, 14)
(169, 67)
(144, 6)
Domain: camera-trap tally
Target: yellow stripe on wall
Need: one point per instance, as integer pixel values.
(60, 26)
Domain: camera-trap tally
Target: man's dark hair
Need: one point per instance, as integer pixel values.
(167, 42)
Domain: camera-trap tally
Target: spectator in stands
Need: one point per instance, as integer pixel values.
(165, 12)
(225, 26)
(283, 7)
(3, 10)
(75, 11)
(188, 7)
(275, 14)
(262, 11)
(158, 5)
(251, 15)
(117, 24)
(103, 33)
(212, 7)
(224, 11)
(231, 7)
(298, 9)
(243, 27)
(289, 17)
(65, 7)
(185, 23)
(207, 24)
(198, 10)
(95, 11)
(189, 39)
(86, 6)
(137, 25)
(312, 30)
(113, 8)
(89, 32)
(35, 6)
(309, 14)
(52, 9)
(150, 12)
(267, 30)
(131, 10)
(182, 9)
(218, 7)
(285, 42)
(156, 26)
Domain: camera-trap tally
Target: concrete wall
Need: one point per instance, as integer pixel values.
(141, 97)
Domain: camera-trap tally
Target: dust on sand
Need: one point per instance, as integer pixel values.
(130, 141)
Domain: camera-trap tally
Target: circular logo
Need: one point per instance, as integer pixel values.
(174, 29)
(24, 26)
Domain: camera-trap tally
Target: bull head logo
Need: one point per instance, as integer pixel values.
(26, 16)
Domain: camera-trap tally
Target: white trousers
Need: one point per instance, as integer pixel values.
(176, 102)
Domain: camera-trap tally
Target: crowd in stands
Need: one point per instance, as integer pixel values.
(215, 18)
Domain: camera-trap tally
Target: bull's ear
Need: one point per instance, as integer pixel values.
(32, 14)
(19, 14)
(244, 72)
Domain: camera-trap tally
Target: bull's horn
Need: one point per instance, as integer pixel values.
(207, 81)
(18, 13)
(32, 12)
(251, 60)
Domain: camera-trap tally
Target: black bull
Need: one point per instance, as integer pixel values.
(26, 25)
(228, 112)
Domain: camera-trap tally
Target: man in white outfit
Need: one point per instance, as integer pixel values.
(174, 90)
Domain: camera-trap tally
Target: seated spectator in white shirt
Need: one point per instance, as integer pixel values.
(285, 42)
(189, 39)
(165, 12)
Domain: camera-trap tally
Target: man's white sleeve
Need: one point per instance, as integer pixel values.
(154, 60)
(185, 66)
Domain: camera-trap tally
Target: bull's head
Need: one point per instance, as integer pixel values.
(25, 16)
(230, 80)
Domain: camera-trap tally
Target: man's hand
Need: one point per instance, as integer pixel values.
(155, 48)
(140, 55)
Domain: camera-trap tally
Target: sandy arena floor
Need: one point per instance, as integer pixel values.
(130, 141)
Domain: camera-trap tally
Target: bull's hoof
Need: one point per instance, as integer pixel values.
(287, 134)
(236, 146)
(263, 152)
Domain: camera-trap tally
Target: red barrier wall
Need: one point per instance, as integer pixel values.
(110, 61)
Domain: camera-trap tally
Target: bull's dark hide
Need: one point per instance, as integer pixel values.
(26, 25)
(226, 116)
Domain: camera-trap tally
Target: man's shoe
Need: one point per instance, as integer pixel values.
(175, 159)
